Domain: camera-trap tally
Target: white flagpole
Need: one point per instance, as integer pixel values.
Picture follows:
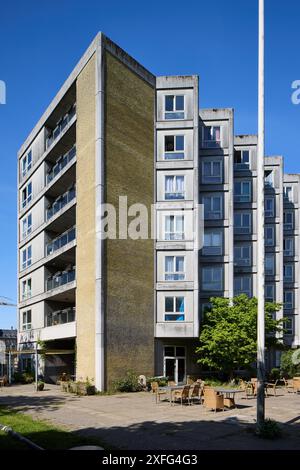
(260, 226)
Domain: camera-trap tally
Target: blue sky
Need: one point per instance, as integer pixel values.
(40, 42)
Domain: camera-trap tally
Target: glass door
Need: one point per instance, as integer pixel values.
(175, 363)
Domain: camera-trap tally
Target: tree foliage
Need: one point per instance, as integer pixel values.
(287, 368)
(229, 330)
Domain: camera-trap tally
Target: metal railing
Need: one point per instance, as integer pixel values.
(62, 123)
(60, 241)
(61, 317)
(60, 279)
(60, 202)
(60, 164)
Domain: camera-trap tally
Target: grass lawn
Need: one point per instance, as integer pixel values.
(41, 433)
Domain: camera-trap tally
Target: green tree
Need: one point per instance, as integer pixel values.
(228, 333)
(287, 367)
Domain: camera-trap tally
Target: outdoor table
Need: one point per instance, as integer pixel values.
(229, 394)
(171, 388)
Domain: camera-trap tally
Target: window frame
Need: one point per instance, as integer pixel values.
(26, 288)
(28, 260)
(28, 228)
(242, 165)
(26, 163)
(211, 281)
(27, 325)
(174, 313)
(291, 303)
(212, 211)
(292, 250)
(169, 115)
(242, 231)
(291, 279)
(174, 273)
(241, 198)
(174, 187)
(288, 225)
(174, 154)
(268, 271)
(205, 248)
(206, 144)
(28, 195)
(242, 291)
(270, 213)
(175, 238)
(242, 246)
(272, 228)
(208, 179)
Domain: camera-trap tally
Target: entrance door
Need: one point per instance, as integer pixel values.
(174, 363)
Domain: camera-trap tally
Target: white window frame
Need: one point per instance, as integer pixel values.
(288, 225)
(28, 260)
(174, 235)
(288, 331)
(179, 195)
(26, 229)
(26, 288)
(291, 304)
(241, 197)
(272, 228)
(240, 230)
(289, 252)
(26, 195)
(174, 154)
(242, 165)
(247, 260)
(175, 312)
(27, 325)
(210, 214)
(211, 179)
(174, 111)
(242, 290)
(288, 193)
(207, 143)
(26, 163)
(270, 212)
(211, 250)
(172, 275)
(212, 270)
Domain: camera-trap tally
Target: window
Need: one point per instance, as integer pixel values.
(174, 227)
(288, 246)
(174, 308)
(174, 187)
(288, 193)
(288, 299)
(242, 255)
(26, 195)
(174, 147)
(288, 220)
(26, 320)
(212, 207)
(26, 163)
(269, 178)
(212, 172)
(242, 223)
(174, 268)
(242, 159)
(26, 289)
(213, 241)
(242, 191)
(270, 293)
(174, 107)
(288, 325)
(211, 137)
(269, 207)
(26, 257)
(269, 235)
(206, 307)
(242, 285)
(269, 264)
(288, 272)
(26, 225)
(212, 278)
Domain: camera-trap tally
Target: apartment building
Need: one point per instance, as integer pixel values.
(104, 305)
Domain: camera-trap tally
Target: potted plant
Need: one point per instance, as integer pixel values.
(40, 385)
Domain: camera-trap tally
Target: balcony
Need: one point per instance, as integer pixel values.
(60, 202)
(61, 317)
(60, 126)
(60, 279)
(60, 164)
(60, 241)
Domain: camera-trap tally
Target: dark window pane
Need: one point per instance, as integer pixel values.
(169, 143)
(180, 351)
(179, 103)
(179, 142)
(169, 100)
(169, 351)
(169, 304)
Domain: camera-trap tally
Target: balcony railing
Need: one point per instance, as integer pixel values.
(61, 317)
(60, 241)
(62, 123)
(60, 202)
(60, 279)
(60, 164)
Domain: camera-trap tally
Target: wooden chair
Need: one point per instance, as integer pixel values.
(213, 400)
(288, 385)
(247, 387)
(296, 384)
(272, 387)
(157, 391)
(182, 395)
(195, 392)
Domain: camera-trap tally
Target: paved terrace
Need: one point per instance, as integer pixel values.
(134, 421)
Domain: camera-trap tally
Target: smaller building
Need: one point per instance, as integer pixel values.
(8, 341)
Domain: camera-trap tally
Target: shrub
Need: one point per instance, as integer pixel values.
(275, 373)
(287, 368)
(129, 383)
(162, 381)
(269, 430)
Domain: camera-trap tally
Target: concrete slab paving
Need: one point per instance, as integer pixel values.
(135, 421)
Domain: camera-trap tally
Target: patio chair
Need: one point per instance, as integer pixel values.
(296, 384)
(182, 395)
(195, 392)
(272, 387)
(157, 391)
(213, 400)
(247, 387)
(288, 385)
